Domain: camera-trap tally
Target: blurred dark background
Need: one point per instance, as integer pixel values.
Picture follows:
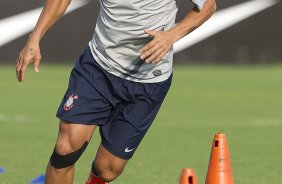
(257, 39)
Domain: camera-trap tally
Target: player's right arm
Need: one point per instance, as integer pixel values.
(51, 13)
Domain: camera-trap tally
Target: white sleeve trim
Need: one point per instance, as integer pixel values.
(199, 3)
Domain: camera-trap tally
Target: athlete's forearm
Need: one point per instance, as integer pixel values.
(50, 14)
(193, 20)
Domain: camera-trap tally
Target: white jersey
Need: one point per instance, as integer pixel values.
(119, 35)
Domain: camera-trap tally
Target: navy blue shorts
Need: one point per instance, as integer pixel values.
(124, 110)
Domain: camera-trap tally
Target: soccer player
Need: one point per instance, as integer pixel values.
(117, 84)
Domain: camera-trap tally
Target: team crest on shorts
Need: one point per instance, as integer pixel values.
(69, 104)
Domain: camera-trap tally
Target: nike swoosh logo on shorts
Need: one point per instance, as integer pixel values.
(222, 20)
(127, 150)
(18, 25)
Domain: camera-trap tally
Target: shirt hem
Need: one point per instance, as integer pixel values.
(158, 79)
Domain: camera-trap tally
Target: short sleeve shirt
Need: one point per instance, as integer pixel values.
(119, 35)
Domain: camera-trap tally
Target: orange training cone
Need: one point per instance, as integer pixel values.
(188, 176)
(219, 171)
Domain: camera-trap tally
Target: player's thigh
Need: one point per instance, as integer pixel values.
(72, 136)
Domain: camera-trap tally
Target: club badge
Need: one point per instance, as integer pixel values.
(69, 104)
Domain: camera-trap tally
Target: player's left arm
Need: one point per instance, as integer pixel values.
(155, 50)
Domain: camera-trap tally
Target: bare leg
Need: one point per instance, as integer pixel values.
(71, 138)
(107, 165)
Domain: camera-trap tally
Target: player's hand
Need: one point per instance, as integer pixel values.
(30, 53)
(156, 49)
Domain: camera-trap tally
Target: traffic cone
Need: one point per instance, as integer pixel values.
(188, 176)
(219, 171)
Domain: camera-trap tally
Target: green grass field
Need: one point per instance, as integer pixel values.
(243, 102)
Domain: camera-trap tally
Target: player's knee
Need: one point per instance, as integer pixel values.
(64, 155)
(109, 174)
(64, 148)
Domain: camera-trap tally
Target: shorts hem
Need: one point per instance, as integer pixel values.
(114, 152)
(75, 121)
